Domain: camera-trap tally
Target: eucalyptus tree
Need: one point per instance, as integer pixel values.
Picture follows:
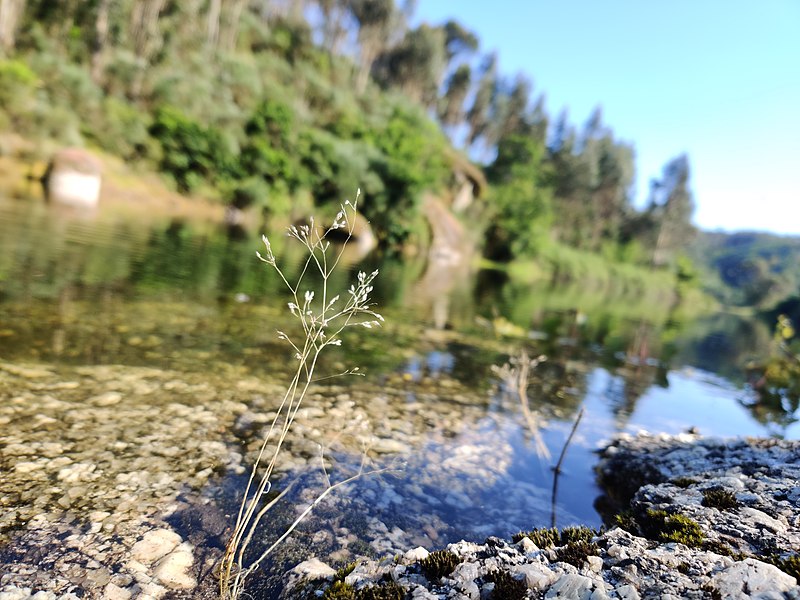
(374, 18)
(451, 109)
(478, 114)
(416, 65)
(10, 15)
(672, 203)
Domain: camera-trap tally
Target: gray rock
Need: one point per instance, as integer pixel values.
(571, 586)
(751, 578)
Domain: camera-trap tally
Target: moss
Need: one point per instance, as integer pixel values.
(683, 482)
(578, 534)
(720, 499)
(385, 591)
(665, 527)
(507, 587)
(439, 564)
(627, 520)
(542, 537)
(339, 590)
(717, 547)
(576, 553)
(344, 571)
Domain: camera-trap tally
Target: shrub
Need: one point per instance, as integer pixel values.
(17, 85)
(191, 153)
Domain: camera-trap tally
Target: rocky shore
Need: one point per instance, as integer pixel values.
(705, 518)
(113, 485)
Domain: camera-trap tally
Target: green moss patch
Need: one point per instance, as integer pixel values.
(507, 587)
(720, 499)
(439, 564)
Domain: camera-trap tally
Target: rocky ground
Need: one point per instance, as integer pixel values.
(707, 519)
(118, 482)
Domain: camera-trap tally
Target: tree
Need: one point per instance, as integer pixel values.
(452, 106)
(416, 65)
(478, 115)
(458, 39)
(521, 198)
(333, 29)
(672, 204)
(374, 19)
(10, 14)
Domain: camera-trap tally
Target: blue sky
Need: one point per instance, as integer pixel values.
(717, 79)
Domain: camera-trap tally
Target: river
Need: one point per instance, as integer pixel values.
(184, 305)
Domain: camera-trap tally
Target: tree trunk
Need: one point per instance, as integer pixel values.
(214, 10)
(144, 27)
(100, 39)
(230, 34)
(10, 13)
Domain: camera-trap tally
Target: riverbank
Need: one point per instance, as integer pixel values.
(706, 518)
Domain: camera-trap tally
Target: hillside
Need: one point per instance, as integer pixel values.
(284, 108)
(749, 268)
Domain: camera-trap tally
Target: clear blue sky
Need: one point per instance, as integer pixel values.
(718, 79)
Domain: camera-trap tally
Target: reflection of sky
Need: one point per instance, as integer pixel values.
(698, 399)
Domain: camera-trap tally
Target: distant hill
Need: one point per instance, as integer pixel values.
(749, 268)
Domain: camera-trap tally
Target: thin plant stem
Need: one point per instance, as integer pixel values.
(321, 328)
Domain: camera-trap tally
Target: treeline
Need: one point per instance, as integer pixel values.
(281, 102)
(751, 269)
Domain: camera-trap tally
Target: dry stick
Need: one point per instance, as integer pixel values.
(525, 364)
(557, 468)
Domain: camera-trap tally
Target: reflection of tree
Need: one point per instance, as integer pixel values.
(724, 344)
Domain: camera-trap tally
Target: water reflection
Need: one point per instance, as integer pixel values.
(174, 293)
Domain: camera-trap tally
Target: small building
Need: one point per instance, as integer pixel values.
(73, 177)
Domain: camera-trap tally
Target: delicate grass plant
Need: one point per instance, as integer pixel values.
(322, 321)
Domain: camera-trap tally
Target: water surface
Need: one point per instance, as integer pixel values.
(109, 288)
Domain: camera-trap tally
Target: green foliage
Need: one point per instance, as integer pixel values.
(626, 520)
(439, 564)
(720, 499)
(339, 590)
(17, 85)
(779, 384)
(191, 153)
(748, 268)
(343, 571)
(507, 587)
(578, 534)
(123, 130)
(521, 201)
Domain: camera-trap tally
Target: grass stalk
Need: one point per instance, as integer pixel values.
(322, 324)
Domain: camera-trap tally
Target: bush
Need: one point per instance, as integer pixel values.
(122, 130)
(191, 153)
(17, 85)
